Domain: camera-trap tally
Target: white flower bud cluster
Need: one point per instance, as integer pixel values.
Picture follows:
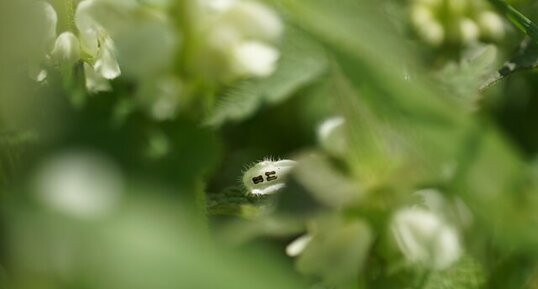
(240, 37)
(455, 22)
(90, 43)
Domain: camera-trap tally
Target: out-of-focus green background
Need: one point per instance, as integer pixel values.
(162, 204)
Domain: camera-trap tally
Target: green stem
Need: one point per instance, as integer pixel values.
(517, 18)
(66, 15)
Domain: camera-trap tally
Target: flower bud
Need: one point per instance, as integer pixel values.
(491, 25)
(66, 49)
(469, 31)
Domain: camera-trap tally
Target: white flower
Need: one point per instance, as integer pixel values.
(241, 34)
(97, 43)
(267, 177)
(253, 58)
(66, 49)
(79, 184)
(425, 239)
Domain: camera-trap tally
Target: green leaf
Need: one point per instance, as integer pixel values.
(337, 252)
(466, 274)
(302, 62)
(525, 59)
(517, 18)
(464, 79)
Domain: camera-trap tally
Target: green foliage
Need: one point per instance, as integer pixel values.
(182, 218)
(303, 61)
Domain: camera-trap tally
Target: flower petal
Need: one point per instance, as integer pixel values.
(88, 27)
(106, 63)
(66, 49)
(94, 81)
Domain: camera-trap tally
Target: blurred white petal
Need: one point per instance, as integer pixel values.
(51, 20)
(80, 184)
(88, 27)
(298, 245)
(254, 20)
(332, 135)
(425, 239)
(255, 59)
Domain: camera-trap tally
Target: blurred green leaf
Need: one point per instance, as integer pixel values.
(302, 62)
(464, 80)
(466, 274)
(526, 58)
(337, 251)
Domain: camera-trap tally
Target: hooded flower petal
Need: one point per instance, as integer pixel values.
(66, 49)
(50, 21)
(106, 64)
(89, 29)
(94, 81)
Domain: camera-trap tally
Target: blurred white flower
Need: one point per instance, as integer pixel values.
(255, 59)
(79, 184)
(425, 239)
(455, 208)
(66, 49)
(297, 246)
(241, 35)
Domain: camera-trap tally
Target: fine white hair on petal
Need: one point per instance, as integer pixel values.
(66, 48)
(94, 81)
(267, 177)
(297, 246)
(252, 58)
